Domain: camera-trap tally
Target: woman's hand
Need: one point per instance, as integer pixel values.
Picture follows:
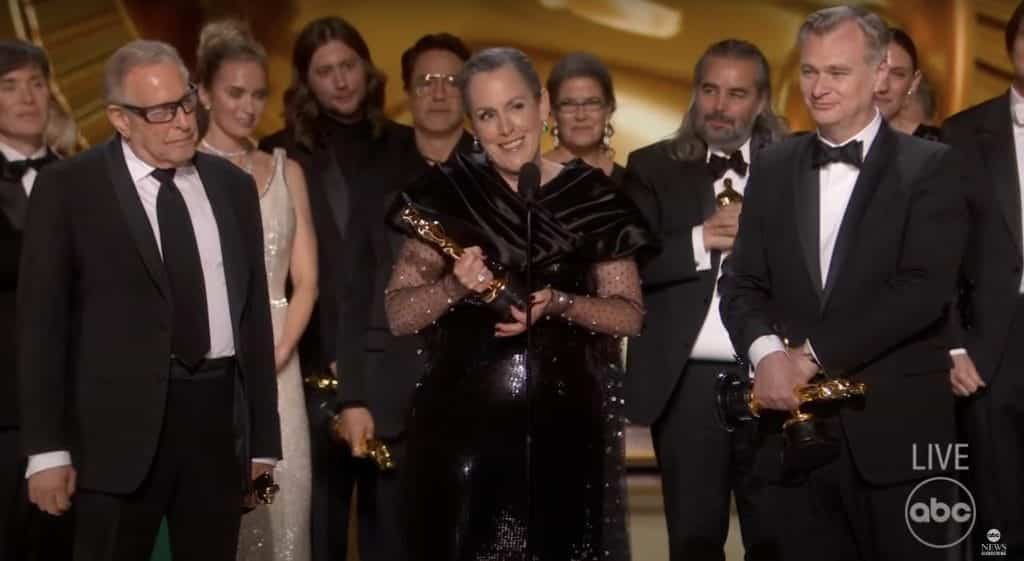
(281, 357)
(540, 302)
(471, 271)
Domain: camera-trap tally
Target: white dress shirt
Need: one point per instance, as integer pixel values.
(836, 182)
(222, 342)
(1017, 115)
(12, 155)
(713, 341)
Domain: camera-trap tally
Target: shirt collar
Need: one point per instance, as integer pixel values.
(139, 169)
(13, 155)
(866, 135)
(744, 149)
(1016, 107)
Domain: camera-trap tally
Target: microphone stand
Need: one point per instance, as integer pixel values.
(529, 378)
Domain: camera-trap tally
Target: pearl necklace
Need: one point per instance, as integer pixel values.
(230, 156)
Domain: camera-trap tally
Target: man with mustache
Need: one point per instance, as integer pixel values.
(672, 366)
(355, 160)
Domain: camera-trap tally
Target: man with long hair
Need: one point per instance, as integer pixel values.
(682, 183)
(355, 160)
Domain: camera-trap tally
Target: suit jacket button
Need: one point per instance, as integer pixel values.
(1016, 269)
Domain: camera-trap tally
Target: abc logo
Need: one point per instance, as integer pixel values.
(936, 511)
(940, 512)
(993, 535)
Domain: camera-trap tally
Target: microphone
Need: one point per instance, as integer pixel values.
(529, 181)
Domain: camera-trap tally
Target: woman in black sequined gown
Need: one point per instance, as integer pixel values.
(476, 489)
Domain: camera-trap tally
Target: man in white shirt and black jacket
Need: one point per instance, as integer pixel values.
(673, 365)
(25, 534)
(848, 248)
(145, 345)
(988, 370)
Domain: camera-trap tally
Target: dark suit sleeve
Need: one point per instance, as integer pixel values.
(923, 283)
(258, 334)
(357, 268)
(746, 283)
(10, 255)
(962, 308)
(45, 296)
(675, 262)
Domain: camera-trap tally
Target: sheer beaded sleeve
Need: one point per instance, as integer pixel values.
(616, 309)
(421, 288)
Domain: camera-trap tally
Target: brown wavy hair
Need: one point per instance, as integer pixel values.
(301, 108)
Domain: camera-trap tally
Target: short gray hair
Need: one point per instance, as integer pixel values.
(492, 59)
(133, 55)
(876, 32)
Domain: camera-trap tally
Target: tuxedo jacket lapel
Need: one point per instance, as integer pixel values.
(333, 183)
(135, 215)
(807, 207)
(231, 245)
(868, 180)
(995, 136)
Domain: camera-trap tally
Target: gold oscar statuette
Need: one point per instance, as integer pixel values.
(728, 196)
(500, 294)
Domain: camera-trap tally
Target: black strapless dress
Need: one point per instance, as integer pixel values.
(502, 466)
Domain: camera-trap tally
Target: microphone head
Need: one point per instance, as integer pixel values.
(529, 180)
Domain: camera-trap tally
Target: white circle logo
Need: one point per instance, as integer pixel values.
(993, 535)
(929, 516)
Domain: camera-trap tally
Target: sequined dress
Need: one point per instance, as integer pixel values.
(280, 532)
(475, 489)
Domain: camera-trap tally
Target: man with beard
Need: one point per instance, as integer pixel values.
(379, 376)
(680, 184)
(429, 68)
(354, 159)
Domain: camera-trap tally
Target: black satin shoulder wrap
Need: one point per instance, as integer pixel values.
(579, 215)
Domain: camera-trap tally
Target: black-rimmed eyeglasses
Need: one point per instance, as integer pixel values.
(166, 112)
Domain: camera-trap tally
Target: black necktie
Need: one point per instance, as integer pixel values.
(849, 153)
(13, 171)
(718, 165)
(190, 338)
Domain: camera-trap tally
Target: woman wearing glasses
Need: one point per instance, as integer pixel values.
(583, 100)
(233, 89)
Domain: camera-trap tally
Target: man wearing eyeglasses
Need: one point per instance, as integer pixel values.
(376, 397)
(429, 68)
(145, 342)
(682, 185)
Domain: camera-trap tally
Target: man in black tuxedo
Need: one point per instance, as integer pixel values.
(673, 365)
(989, 360)
(355, 159)
(380, 369)
(25, 534)
(847, 251)
(145, 351)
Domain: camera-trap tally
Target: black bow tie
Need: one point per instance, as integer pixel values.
(718, 165)
(850, 153)
(14, 171)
